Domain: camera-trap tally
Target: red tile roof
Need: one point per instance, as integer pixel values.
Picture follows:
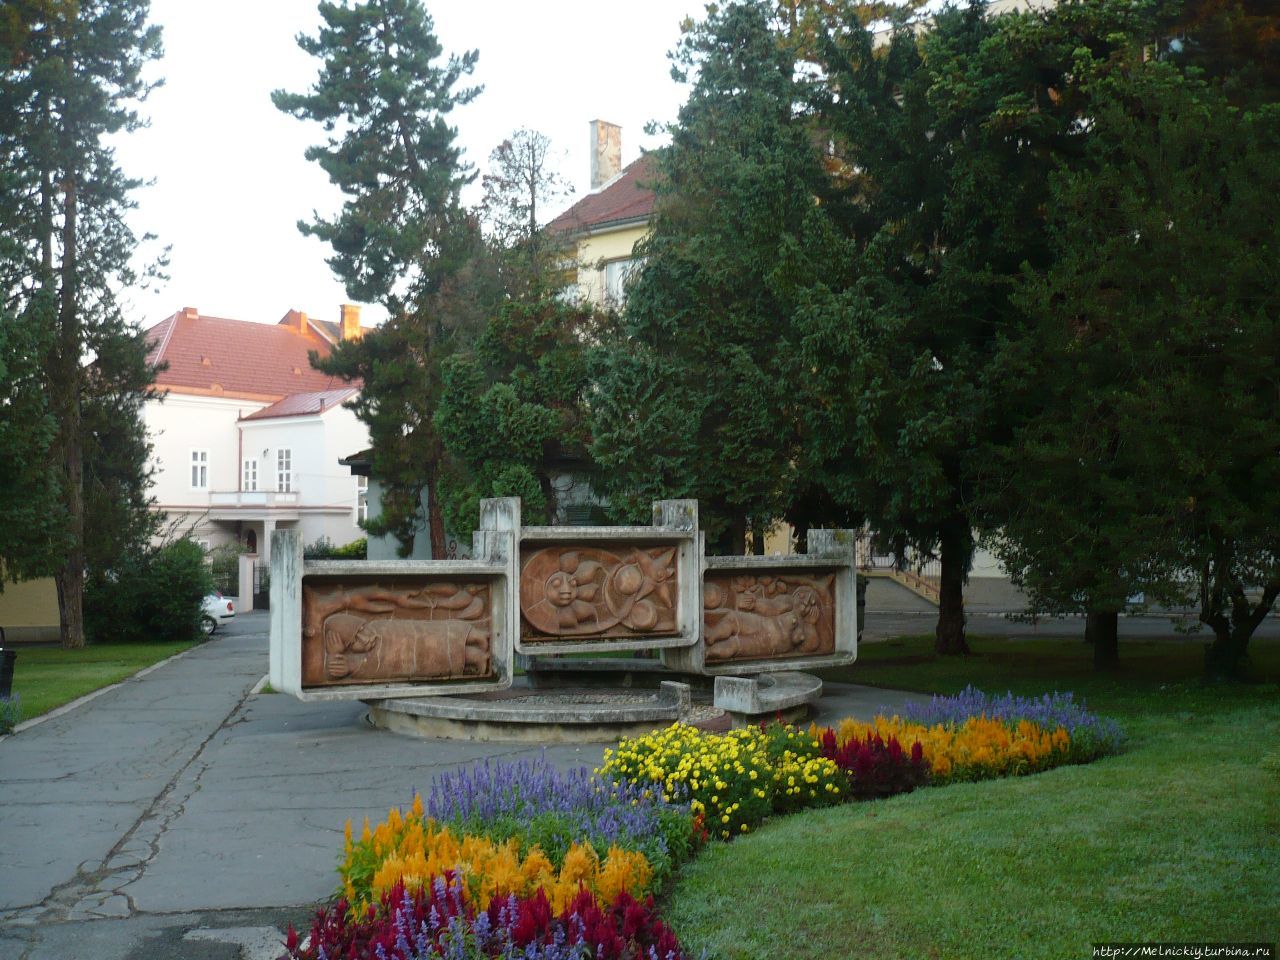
(212, 356)
(627, 197)
(304, 404)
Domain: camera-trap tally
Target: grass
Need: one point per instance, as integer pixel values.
(1176, 839)
(47, 677)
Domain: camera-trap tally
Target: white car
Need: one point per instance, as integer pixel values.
(217, 609)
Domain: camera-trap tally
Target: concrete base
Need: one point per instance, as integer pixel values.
(752, 699)
(531, 716)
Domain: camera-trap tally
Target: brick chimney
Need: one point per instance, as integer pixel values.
(302, 323)
(606, 152)
(351, 329)
(190, 313)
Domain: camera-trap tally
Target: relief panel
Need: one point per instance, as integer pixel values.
(768, 615)
(359, 630)
(605, 591)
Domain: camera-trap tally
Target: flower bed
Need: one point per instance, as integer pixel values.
(410, 851)
(503, 861)
(441, 921)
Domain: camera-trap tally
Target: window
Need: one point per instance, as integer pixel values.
(616, 274)
(362, 499)
(284, 471)
(250, 482)
(199, 469)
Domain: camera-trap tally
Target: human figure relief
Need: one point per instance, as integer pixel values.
(595, 591)
(397, 629)
(758, 617)
(359, 649)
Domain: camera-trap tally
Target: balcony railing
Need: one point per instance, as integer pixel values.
(258, 499)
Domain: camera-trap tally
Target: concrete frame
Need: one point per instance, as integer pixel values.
(675, 522)
(831, 550)
(496, 562)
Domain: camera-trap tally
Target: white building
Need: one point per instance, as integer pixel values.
(247, 434)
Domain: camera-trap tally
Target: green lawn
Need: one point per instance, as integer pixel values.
(1178, 838)
(48, 677)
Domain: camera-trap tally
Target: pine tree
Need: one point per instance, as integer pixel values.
(70, 78)
(402, 236)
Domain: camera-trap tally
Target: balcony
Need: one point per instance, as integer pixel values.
(253, 504)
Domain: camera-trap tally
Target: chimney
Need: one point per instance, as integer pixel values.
(190, 313)
(351, 329)
(302, 323)
(606, 152)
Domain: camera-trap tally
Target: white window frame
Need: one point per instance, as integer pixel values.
(199, 469)
(249, 475)
(362, 499)
(615, 287)
(284, 470)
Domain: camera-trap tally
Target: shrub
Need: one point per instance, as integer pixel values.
(438, 921)
(324, 549)
(151, 596)
(224, 566)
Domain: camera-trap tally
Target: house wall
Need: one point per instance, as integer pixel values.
(326, 490)
(596, 250)
(29, 610)
(176, 426)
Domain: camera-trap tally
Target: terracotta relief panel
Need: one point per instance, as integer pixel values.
(394, 629)
(568, 592)
(768, 615)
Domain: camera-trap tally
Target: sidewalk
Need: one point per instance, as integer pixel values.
(178, 801)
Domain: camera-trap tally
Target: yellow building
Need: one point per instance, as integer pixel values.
(606, 224)
(29, 611)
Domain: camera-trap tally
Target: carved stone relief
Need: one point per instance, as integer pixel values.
(606, 591)
(393, 629)
(768, 615)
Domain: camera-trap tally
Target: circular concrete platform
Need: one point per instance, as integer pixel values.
(528, 715)
(559, 713)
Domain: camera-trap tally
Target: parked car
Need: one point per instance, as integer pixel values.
(217, 609)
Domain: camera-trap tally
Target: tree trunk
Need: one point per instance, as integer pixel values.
(957, 554)
(70, 579)
(1224, 657)
(435, 519)
(1101, 628)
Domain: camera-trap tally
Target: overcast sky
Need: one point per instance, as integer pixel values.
(231, 181)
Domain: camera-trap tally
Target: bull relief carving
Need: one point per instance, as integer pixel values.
(765, 616)
(397, 629)
(568, 592)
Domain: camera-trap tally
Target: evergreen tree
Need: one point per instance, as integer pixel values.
(1151, 460)
(402, 236)
(698, 394)
(70, 77)
(941, 142)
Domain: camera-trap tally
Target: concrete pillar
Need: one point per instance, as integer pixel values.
(268, 528)
(244, 595)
